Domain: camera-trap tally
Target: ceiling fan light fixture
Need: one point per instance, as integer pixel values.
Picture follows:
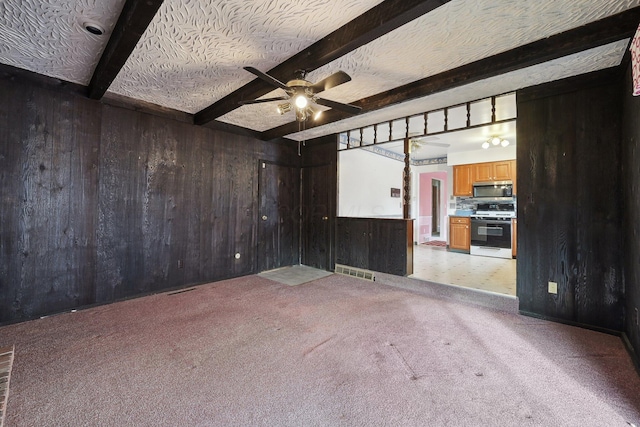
(284, 108)
(495, 141)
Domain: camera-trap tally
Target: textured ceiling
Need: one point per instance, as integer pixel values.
(192, 53)
(48, 36)
(455, 34)
(584, 62)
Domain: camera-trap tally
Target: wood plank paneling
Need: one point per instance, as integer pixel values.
(319, 195)
(568, 210)
(384, 245)
(102, 203)
(631, 212)
(279, 212)
(317, 212)
(51, 143)
(11, 164)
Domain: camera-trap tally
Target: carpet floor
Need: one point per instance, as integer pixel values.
(337, 351)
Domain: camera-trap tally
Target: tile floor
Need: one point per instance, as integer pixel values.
(436, 264)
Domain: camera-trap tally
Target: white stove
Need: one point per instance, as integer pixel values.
(494, 211)
(491, 230)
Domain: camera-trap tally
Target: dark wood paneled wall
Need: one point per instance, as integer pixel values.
(384, 245)
(319, 199)
(631, 209)
(49, 151)
(569, 212)
(101, 202)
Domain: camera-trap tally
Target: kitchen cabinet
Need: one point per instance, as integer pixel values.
(465, 175)
(459, 233)
(463, 180)
(493, 171)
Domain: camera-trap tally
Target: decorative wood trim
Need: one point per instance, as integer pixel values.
(132, 23)
(376, 22)
(406, 178)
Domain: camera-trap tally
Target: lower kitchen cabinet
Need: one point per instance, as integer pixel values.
(459, 233)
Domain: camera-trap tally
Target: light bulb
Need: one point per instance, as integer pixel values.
(301, 101)
(317, 115)
(485, 145)
(495, 140)
(504, 143)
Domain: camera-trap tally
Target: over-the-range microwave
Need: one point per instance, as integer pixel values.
(493, 189)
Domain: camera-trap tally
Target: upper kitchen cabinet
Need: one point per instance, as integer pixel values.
(463, 180)
(465, 175)
(494, 171)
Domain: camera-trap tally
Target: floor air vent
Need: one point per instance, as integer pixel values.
(355, 272)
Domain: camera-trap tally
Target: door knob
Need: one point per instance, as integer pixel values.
(264, 217)
(324, 218)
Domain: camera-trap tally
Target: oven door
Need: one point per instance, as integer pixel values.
(491, 233)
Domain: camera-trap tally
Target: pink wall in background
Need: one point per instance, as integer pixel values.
(424, 202)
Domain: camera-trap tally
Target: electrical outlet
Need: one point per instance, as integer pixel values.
(553, 288)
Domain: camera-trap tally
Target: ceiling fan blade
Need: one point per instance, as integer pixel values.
(258, 101)
(347, 108)
(437, 144)
(267, 78)
(332, 81)
(429, 141)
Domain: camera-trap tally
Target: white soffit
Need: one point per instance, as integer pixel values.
(584, 62)
(193, 51)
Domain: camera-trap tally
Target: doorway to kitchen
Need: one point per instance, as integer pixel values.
(375, 160)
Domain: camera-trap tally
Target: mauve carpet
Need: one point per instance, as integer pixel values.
(337, 351)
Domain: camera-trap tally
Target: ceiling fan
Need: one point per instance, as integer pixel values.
(418, 143)
(301, 94)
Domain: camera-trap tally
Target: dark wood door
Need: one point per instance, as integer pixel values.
(317, 217)
(279, 216)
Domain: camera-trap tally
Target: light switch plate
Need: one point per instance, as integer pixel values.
(553, 288)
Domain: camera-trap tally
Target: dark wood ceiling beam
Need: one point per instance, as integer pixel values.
(134, 19)
(376, 22)
(598, 33)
